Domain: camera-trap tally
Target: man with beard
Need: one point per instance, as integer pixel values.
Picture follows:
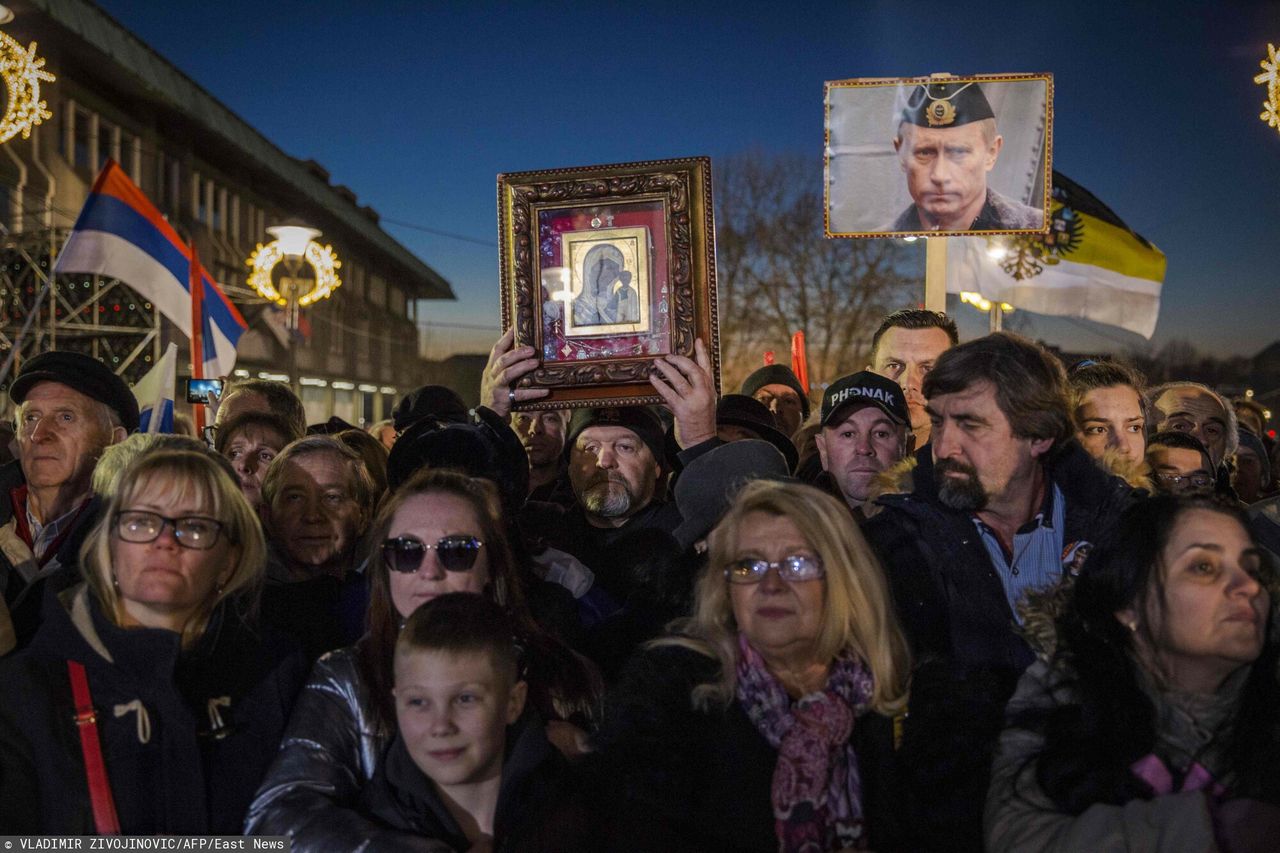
(1001, 502)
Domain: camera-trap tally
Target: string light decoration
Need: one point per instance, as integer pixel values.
(1270, 77)
(321, 258)
(982, 303)
(23, 72)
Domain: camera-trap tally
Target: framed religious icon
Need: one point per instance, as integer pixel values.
(604, 269)
(939, 155)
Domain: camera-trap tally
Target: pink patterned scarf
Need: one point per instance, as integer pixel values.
(817, 792)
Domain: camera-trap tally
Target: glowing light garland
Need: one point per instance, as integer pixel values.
(23, 72)
(321, 258)
(1270, 77)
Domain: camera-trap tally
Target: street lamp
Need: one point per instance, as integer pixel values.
(294, 245)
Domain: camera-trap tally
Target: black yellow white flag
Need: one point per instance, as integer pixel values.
(1090, 265)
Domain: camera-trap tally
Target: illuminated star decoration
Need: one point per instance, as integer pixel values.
(1271, 79)
(322, 260)
(23, 72)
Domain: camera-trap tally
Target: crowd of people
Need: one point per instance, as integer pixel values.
(967, 598)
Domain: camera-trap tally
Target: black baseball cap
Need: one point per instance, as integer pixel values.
(82, 373)
(864, 387)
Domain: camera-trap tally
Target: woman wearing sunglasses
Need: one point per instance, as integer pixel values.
(440, 532)
(149, 702)
(764, 723)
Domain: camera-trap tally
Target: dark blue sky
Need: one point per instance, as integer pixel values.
(417, 106)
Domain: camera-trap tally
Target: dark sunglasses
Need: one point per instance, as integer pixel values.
(406, 553)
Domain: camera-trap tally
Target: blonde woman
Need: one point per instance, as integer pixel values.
(157, 655)
(764, 722)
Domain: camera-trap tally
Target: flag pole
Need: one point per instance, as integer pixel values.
(197, 334)
(935, 274)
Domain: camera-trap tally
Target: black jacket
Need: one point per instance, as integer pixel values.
(186, 736)
(674, 778)
(948, 594)
(538, 808)
(957, 618)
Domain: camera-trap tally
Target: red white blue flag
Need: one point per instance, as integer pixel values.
(121, 234)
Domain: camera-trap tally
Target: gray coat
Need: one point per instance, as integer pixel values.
(1021, 817)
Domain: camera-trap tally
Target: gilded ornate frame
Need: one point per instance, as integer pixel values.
(681, 189)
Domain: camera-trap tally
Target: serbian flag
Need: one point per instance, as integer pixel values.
(121, 234)
(156, 391)
(1090, 265)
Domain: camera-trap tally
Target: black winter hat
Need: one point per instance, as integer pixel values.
(486, 448)
(776, 374)
(429, 401)
(750, 413)
(709, 484)
(641, 420)
(83, 373)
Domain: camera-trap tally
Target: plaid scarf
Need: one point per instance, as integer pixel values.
(817, 792)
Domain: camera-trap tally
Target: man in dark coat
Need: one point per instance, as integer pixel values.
(1002, 502)
(70, 408)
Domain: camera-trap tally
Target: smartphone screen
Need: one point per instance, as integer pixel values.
(198, 389)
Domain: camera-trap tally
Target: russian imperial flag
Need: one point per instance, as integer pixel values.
(121, 234)
(1091, 265)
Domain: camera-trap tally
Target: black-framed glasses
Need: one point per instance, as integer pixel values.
(1180, 482)
(797, 567)
(197, 532)
(406, 553)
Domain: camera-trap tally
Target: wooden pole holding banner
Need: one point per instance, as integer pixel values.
(197, 329)
(935, 274)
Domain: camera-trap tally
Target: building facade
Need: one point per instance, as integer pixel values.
(221, 184)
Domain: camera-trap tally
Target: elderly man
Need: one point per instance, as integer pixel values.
(905, 348)
(70, 407)
(1001, 503)
(947, 143)
(864, 431)
(1196, 409)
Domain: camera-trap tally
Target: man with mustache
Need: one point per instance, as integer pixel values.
(999, 503)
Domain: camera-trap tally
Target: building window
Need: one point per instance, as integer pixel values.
(82, 141)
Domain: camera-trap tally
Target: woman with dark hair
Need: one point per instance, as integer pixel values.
(1150, 720)
(440, 532)
(153, 670)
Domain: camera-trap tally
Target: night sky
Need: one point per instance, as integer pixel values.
(417, 106)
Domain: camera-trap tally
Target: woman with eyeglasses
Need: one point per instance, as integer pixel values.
(764, 723)
(1149, 721)
(438, 533)
(149, 701)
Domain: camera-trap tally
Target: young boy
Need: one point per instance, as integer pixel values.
(467, 766)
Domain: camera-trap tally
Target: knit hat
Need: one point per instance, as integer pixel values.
(1251, 441)
(641, 420)
(487, 448)
(776, 374)
(82, 373)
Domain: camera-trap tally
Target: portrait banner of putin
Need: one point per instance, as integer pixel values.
(938, 155)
